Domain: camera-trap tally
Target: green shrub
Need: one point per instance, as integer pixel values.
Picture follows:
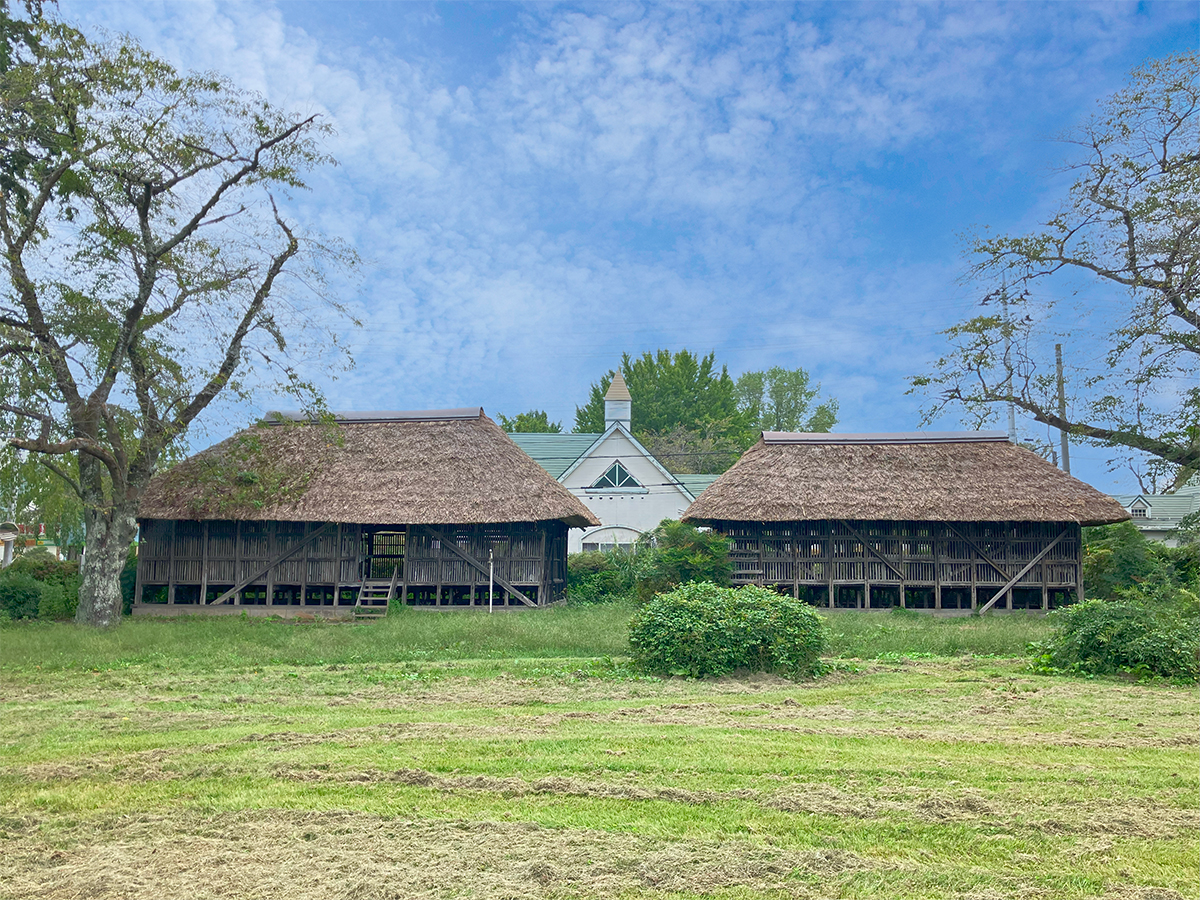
(128, 583)
(675, 553)
(1141, 632)
(20, 594)
(702, 629)
(55, 603)
(60, 577)
(594, 577)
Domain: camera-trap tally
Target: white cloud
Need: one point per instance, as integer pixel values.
(628, 177)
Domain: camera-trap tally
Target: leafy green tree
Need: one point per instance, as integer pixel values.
(1130, 223)
(31, 494)
(667, 390)
(676, 553)
(533, 422)
(148, 267)
(695, 418)
(782, 399)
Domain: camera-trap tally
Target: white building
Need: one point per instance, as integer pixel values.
(617, 478)
(1157, 516)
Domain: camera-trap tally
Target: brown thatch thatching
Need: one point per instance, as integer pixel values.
(943, 477)
(426, 468)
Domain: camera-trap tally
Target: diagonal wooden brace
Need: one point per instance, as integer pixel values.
(287, 554)
(453, 547)
(1029, 565)
(862, 540)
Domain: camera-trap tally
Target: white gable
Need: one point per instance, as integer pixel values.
(637, 509)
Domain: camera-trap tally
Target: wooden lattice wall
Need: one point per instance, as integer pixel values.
(191, 564)
(928, 565)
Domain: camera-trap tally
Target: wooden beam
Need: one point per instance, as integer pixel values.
(1029, 565)
(453, 547)
(987, 559)
(871, 549)
(287, 554)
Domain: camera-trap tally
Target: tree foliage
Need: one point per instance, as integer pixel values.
(148, 268)
(782, 399)
(31, 494)
(536, 421)
(695, 418)
(1130, 225)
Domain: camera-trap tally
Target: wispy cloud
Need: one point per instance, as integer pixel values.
(783, 184)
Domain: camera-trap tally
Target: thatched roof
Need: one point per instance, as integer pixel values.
(423, 468)
(946, 476)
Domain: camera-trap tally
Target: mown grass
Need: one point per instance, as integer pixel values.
(406, 635)
(554, 777)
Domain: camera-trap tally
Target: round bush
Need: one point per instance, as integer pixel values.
(702, 629)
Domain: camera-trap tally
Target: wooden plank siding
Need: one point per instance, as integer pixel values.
(922, 565)
(189, 564)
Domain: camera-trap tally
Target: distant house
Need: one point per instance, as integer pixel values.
(935, 521)
(617, 478)
(1157, 516)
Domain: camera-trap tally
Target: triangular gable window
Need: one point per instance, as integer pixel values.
(616, 477)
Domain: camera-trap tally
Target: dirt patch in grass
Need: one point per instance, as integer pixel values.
(356, 856)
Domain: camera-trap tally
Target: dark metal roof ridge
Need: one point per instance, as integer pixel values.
(902, 437)
(353, 417)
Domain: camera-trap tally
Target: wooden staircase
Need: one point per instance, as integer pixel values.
(375, 596)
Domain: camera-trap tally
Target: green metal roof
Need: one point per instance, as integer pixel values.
(1164, 509)
(696, 483)
(555, 452)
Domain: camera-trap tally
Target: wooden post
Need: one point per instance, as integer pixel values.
(171, 568)
(272, 550)
(304, 565)
(137, 581)
(827, 552)
(203, 562)
(237, 559)
(937, 565)
(404, 570)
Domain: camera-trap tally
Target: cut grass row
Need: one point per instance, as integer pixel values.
(534, 778)
(586, 632)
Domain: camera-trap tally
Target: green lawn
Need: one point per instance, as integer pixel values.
(452, 755)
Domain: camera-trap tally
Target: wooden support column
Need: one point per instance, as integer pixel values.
(272, 549)
(544, 581)
(827, 540)
(304, 566)
(937, 567)
(171, 567)
(404, 569)
(237, 562)
(137, 581)
(203, 562)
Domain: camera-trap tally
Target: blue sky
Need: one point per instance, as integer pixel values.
(538, 188)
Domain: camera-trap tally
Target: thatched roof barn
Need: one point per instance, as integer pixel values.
(936, 477)
(353, 511)
(423, 467)
(962, 521)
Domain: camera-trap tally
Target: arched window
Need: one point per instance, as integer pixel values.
(617, 476)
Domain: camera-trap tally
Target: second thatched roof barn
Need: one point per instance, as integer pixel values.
(958, 520)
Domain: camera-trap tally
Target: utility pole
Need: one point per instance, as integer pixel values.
(1062, 409)
(1012, 412)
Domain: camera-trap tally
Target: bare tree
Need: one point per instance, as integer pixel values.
(1131, 226)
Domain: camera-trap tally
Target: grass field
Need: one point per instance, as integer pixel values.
(448, 755)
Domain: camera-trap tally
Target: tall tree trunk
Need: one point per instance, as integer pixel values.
(105, 550)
